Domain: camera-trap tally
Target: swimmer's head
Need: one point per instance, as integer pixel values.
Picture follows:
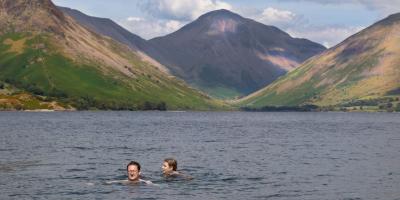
(169, 165)
(133, 169)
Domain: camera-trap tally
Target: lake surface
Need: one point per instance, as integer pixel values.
(231, 155)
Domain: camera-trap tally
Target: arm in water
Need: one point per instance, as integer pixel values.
(117, 181)
(147, 182)
(128, 182)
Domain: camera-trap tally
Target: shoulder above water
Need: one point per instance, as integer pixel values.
(176, 174)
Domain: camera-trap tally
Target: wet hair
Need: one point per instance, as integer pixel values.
(172, 162)
(133, 163)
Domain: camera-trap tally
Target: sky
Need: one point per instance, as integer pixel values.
(327, 22)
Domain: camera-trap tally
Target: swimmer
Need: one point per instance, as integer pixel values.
(133, 171)
(170, 167)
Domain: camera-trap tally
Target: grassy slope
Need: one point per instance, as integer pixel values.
(221, 92)
(12, 98)
(287, 92)
(362, 69)
(25, 101)
(271, 97)
(40, 68)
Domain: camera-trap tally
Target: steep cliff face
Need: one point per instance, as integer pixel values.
(26, 15)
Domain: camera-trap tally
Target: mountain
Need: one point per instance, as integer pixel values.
(107, 27)
(227, 55)
(226, 64)
(50, 55)
(363, 70)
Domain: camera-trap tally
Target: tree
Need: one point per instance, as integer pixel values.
(397, 107)
(162, 106)
(147, 106)
(54, 92)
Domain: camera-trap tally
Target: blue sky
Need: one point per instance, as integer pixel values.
(325, 21)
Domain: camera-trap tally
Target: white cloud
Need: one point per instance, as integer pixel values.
(135, 19)
(384, 7)
(273, 15)
(150, 28)
(167, 16)
(182, 10)
(326, 35)
(298, 26)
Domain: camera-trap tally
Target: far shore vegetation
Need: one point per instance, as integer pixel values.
(384, 104)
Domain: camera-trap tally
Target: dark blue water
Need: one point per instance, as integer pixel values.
(230, 155)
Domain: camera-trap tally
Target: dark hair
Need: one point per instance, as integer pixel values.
(133, 163)
(172, 162)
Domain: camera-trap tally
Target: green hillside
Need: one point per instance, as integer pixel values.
(34, 63)
(361, 73)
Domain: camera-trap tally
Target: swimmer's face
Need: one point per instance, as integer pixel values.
(133, 173)
(166, 168)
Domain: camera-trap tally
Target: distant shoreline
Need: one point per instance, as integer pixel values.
(183, 111)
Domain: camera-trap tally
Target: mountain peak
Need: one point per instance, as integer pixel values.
(220, 22)
(223, 51)
(30, 15)
(18, 6)
(221, 14)
(393, 18)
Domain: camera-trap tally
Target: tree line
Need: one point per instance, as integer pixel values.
(85, 102)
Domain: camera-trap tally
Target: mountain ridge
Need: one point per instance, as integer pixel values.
(115, 31)
(109, 28)
(362, 68)
(220, 75)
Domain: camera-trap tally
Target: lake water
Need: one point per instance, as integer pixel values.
(231, 155)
